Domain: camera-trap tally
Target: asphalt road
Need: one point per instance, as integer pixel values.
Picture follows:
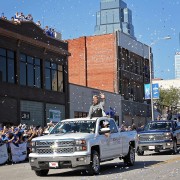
(151, 166)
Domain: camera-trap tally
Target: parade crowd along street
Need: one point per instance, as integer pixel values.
(15, 141)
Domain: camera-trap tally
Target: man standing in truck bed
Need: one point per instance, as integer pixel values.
(97, 108)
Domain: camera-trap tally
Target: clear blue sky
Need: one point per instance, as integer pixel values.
(152, 20)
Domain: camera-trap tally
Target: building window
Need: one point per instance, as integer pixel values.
(30, 71)
(7, 66)
(136, 68)
(54, 77)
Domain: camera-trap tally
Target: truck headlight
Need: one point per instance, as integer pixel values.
(168, 135)
(33, 143)
(80, 145)
(138, 137)
(80, 148)
(80, 142)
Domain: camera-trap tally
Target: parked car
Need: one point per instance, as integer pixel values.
(82, 143)
(159, 135)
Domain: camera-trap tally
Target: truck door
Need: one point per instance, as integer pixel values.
(126, 137)
(111, 145)
(116, 141)
(104, 141)
(125, 142)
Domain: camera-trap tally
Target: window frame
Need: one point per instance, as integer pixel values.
(54, 69)
(28, 61)
(8, 56)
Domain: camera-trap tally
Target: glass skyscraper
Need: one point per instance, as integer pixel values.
(113, 16)
(177, 65)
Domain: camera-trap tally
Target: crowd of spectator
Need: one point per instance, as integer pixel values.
(133, 127)
(3, 16)
(22, 133)
(49, 31)
(19, 17)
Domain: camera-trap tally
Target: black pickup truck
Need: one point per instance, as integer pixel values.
(159, 135)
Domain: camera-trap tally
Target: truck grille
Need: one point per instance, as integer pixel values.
(52, 151)
(56, 146)
(44, 143)
(151, 137)
(44, 151)
(65, 143)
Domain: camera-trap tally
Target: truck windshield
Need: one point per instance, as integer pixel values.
(158, 126)
(74, 127)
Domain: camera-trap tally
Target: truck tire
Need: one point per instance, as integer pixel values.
(94, 167)
(42, 172)
(140, 152)
(175, 147)
(130, 158)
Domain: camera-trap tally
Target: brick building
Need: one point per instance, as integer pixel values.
(92, 63)
(115, 63)
(33, 75)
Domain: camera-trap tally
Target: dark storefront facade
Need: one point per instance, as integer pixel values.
(33, 75)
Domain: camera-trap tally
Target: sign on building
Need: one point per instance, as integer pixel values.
(25, 115)
(147, 91)
(155, 91)
(54, 115)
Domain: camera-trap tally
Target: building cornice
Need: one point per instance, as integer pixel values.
(34, 42)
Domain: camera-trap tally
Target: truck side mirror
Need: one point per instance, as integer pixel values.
(104, 130)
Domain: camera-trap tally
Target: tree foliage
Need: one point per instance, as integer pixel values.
(169, 97)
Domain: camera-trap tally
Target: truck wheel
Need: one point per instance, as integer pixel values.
(140, 152)
(42, 172)
(130, 158)
(174, 147)
(94, 167)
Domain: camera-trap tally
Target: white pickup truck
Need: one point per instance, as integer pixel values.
(82, 143)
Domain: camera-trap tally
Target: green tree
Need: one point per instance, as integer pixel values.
(169, 97)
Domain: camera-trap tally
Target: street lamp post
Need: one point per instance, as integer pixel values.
(150, 72)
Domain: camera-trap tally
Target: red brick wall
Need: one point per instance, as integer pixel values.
(76, 62)
(101, 61)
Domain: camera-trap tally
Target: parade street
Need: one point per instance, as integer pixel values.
(152, 165)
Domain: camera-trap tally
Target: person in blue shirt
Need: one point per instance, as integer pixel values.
(47, 31)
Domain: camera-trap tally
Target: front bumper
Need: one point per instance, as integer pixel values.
(146, 146)
(39, 163)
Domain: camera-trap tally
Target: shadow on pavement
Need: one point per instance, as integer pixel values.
(108, 168)
(152, 153)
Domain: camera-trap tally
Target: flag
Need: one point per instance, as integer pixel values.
(155, 91)
(147, 91)
(110, 112)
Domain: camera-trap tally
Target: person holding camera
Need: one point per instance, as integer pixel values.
(97, 108)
